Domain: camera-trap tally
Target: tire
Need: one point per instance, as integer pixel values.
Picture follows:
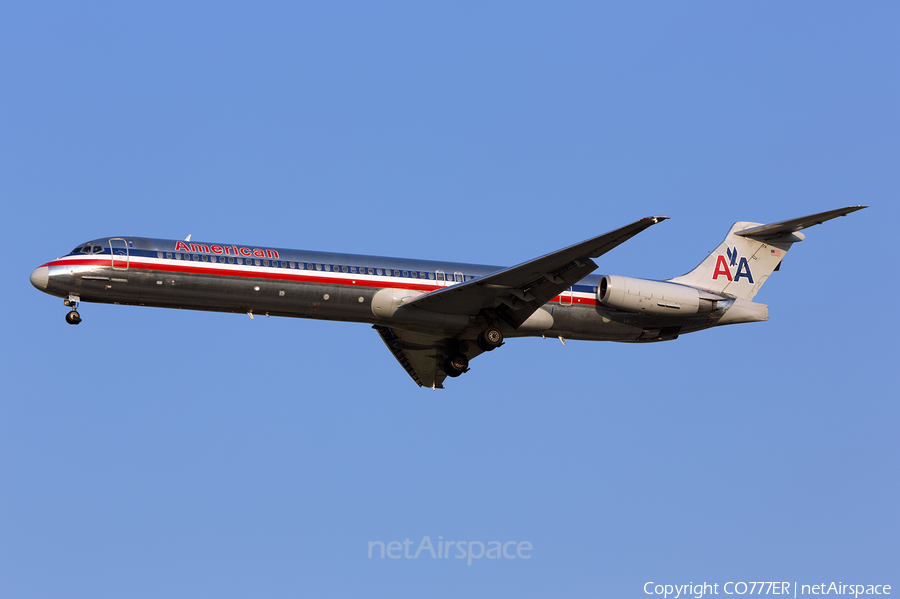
(73, 317)
(490, 339)
(455, 365)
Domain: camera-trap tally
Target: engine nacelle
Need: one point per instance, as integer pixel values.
(653, 297)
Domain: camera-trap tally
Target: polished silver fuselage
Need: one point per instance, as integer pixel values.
(327, 286)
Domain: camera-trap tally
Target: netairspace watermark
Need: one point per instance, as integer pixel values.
(764, 588)
(467, 550)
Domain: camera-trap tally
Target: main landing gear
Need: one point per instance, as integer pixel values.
(73, 317)
(490, 339)
(457, 363)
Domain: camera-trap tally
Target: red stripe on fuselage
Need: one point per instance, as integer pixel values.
(298, 276)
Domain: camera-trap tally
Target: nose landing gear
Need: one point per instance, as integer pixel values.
(73, 317)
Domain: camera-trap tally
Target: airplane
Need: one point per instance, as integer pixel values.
(435, 317)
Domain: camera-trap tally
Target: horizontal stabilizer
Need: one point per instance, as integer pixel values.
(786, 227)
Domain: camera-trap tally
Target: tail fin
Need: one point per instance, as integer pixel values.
(750, 253)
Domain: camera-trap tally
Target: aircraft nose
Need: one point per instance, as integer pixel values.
(40, 277)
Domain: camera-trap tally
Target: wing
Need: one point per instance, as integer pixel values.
(515, 293)
(423, 355)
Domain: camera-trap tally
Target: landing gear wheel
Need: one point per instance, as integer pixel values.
(490, 339)
(73, 317)
(456, 364)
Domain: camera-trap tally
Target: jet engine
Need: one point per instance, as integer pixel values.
(654, 297)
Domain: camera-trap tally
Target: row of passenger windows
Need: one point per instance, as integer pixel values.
(439, 275)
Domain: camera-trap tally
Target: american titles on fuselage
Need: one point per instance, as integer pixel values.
(202, 248)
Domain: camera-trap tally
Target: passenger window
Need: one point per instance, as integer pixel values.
(284, 265)
(431, 275)
(196, 258)
(345, 269)
(169, 255)
(318, 267)
(257, 262)
(378, 271)
(159, 254)
(405, 273)
(230, 260)
(265, 262)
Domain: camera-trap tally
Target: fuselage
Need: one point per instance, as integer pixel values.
(260, 280)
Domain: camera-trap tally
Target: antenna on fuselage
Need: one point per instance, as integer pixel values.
(188, 238)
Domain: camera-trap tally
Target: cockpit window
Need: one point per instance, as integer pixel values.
(76, 250)
(98, 248)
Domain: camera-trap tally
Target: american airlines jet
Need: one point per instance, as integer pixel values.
(435, 317)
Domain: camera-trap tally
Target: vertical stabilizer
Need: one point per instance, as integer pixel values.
(750, 253)
(740, 265)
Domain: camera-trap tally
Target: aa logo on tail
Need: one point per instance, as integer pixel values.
(723, 266)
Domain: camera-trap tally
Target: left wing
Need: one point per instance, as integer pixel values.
(515, 293)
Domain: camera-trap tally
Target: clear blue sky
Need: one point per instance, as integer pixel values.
(161, 453)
